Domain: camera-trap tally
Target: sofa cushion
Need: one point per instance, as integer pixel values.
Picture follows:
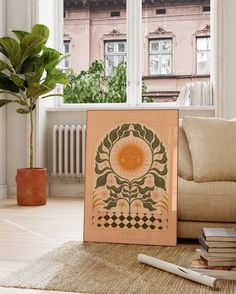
(209, 201)
(185, 166)
(212, 143)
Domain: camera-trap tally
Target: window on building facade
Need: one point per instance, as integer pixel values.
(66, 50)
(203, 55)
(160, 57)
(115, 53)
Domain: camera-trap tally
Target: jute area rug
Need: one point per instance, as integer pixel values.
(110, 269)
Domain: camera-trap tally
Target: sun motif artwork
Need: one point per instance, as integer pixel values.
(130, 191)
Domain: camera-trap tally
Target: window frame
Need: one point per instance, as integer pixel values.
(208, 51)
(114, 54)
(161, 54)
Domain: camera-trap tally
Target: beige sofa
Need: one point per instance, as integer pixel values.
(202, 204)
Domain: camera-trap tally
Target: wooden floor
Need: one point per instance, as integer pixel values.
(28, 232)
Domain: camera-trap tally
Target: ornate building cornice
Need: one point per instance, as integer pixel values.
(114, 4)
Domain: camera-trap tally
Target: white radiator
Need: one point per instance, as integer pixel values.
(69, 150)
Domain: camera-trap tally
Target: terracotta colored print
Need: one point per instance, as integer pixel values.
(131, 191)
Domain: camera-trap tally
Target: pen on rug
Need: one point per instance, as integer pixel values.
(179, 271)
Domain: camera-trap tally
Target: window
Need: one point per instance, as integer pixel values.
(161, 11)
(160, 57)
(115, 53)
(115, 13)
(66, 50)
(206, 9)
(203, 55)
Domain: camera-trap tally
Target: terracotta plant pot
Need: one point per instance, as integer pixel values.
(32, 186)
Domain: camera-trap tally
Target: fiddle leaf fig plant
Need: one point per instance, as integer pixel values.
(28, 71)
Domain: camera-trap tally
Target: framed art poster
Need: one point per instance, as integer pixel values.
(131, 176)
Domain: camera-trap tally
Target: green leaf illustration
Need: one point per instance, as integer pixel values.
(151, 201)
(126, 195)
(123, 128)
(100, 171)
(99, 159)
(115, 189)
(100, 149)
(163, 160)
(161, 172)
(148, 195)
(136, 134)
(107, 143)
(149, 134)
(139, 182)
(159, 182)
(149, 206)
(145, 190)
(134, 195)
(126, 134)
(114, 134)
(111, 204)
(139, 128)
(101, 181)
(155, 143)
(109, 199)
(162, 149)
(121, 181)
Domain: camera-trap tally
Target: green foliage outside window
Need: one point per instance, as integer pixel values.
(92, 86)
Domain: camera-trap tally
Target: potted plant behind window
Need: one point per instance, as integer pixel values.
(29, 72)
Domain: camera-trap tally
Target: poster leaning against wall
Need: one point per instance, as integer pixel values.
(131, 176)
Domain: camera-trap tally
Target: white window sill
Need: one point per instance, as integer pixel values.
(74, 107)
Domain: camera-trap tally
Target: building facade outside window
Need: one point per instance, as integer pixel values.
(203, 55)
(160, 56)
(66, 50)
(115, 53)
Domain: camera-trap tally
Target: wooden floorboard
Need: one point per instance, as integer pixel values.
(28, 232)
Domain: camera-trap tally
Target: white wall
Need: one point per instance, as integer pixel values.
(3, 178)
(16, 123)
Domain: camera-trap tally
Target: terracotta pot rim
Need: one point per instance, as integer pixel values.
(34, 168)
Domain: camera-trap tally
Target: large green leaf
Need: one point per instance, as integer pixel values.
(51, 58)
(41, 30)
(22, 111)
(36, 90)
(20, 34)
(4, 65)
(4, 102)
(17, 79)
(12, 49)
(7, 84)
(31, 45)
(33, 69)
(54, 77)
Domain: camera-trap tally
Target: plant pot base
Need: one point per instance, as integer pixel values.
(32, 186)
